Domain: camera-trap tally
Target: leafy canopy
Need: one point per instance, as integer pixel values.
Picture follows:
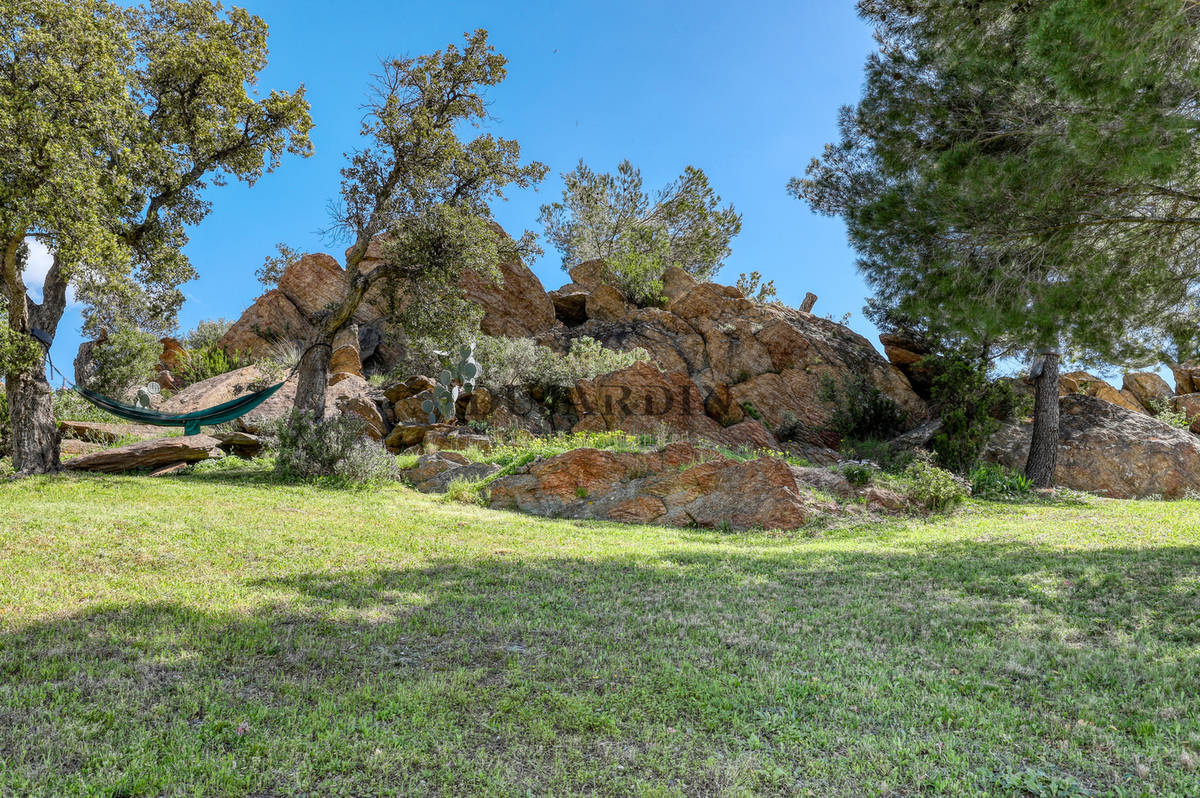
(428, 192)
(113, 123)
(611, 217)
(1012, 169)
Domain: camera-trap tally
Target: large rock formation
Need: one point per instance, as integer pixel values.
(1081, 382)
(679, 485)
(1147, 388)
(738, 353)
(1110, 450)
(515, 306)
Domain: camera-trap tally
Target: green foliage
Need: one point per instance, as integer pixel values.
(206, 333)
(991, 481)
(465, 491)
(932, 488)
(1166, 412)
(1006, 172)
(611, 218)
(70, 406)
(429, 192)
(860, 410)
(457, 380)
(127, 358)
(114, 122)
(890, 457)
(856, 474)
(208, 362)
(274, 266)
(519, 362)
(17, 352)
(752, 411)
(754, 288)
(970, 406)
(333, 450)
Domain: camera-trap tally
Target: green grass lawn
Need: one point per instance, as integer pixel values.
(216, 634)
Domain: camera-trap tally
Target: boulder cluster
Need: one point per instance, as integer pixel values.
(721, 368)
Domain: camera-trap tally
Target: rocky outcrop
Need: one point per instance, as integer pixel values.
(1147, 388)
(149, 454)
(641, 399)
(736, 352)
(1081, 382)
(434, 472)
(104, 432)
(516, 305)
(350, 394)
(679, 485)
(1109, 450)
(906, 353)
(1187, 377)
(1189, 405)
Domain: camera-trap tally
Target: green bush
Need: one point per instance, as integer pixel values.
(860, 410)
(206, 333)
(334, 450)
(1165, 412)
(969, 405)
(856, 474)
(70, 406)
(208, 362)
(126, 359)
(888, 456)
(997, 482)
(516, 362)
(932, 488)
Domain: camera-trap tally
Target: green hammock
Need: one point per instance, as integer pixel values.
(190, 422)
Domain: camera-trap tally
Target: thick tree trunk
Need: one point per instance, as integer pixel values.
(1043, 449)
(35, 436)
(314, 376)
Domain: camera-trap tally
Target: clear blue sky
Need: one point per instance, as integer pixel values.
(749, 92)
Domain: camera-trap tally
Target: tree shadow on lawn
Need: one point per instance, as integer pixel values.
(939, 669)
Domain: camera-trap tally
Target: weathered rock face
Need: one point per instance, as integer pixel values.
(679, 485)
(515, 306)
(351, 394)
(1080, 382)
(906, 354)
(1187, 377)
(434, 472)
(736, 351)
(642, 399)
(1189, 405)
(149, 454)
(1146, 387)
(1109, 450)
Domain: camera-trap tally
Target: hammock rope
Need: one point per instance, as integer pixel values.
(191, 422)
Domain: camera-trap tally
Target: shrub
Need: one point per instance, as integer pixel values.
(637, 275)
(861, 411)
(934, 489)
(513, 362)
(856, 474)
(208, 362)
(333, 449)
(127, 358)
(996, 481)
(1165, 412)
(70, 406)
(888, 456)
(206, 333)
(464, 491)
(754, 288)
(969, 405)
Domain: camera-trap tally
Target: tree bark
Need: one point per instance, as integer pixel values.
(35, 436)
(1043, 448)
(314, 375)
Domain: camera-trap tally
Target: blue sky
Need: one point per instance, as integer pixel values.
(748, 92)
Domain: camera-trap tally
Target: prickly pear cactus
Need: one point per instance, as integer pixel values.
(452, 383)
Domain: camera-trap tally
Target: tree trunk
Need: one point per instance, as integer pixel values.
(1043, 448)
(314, 376)
(35, 436)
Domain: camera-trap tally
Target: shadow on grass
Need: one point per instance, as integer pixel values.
(696, 673)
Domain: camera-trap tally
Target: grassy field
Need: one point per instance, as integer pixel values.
(215, 634)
